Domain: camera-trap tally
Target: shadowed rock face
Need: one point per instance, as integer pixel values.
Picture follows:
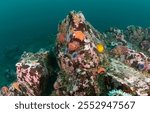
(80, 51)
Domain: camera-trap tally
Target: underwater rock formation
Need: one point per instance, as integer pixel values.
(33, 73)
(113, 63)
(125, 53)
(121, 76)
(134, 37)
(80, 54)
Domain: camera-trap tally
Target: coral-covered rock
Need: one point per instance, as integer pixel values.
(115, 63)
(145, 44)
(79, 56)
(137, 60)
(127, 79)
(33, 73)
(135, 34)
(139, 38)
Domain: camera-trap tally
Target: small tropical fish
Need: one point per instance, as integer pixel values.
(100, 47)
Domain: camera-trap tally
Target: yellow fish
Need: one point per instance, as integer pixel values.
(100, 47)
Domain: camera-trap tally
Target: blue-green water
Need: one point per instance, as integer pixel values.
(32, 24)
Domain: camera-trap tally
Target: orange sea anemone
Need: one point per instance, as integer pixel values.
(101, 70)
(15, 85)
(79, 35)
(5, 89)
(72, 46)
(61, 38)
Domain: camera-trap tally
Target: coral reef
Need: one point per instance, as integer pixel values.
(86, 62)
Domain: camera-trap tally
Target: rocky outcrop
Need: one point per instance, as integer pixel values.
(89, 63)
(80, 54)
(33, 73)
(121, 76)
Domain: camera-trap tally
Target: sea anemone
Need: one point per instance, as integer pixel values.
(115, 92)
(79, 35)
(61, 38)
(101, 70)
(15, 85)
(72, 46)
(5, 89)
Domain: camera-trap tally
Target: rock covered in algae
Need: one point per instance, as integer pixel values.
(132, 54)
(135, 37)
(33, 73)
(129, 80)
(139, 37)
(137, 60)
(80, 54)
